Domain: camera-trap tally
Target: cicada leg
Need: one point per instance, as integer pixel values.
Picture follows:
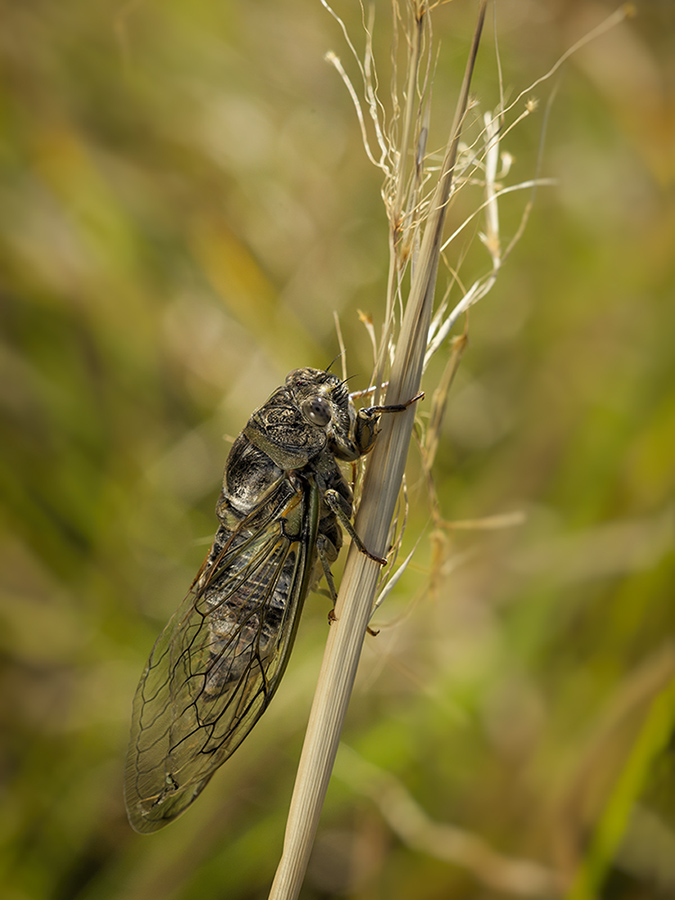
(334, 502)
(332, 592)
(395, 407)
(325, 565)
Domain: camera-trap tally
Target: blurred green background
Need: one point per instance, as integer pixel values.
(184, 202)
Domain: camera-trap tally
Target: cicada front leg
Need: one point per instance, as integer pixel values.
(368, 418)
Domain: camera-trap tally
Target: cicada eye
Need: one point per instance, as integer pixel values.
(317, 411)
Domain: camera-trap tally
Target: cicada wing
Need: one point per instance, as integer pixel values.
(217, 663)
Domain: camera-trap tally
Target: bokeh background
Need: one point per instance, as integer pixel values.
(184, 203)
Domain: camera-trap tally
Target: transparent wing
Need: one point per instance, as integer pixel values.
(217, 663)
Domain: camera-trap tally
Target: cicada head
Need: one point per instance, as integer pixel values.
(312, 412)
(325, 403)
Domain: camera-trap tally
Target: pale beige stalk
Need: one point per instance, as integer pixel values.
(381, 487)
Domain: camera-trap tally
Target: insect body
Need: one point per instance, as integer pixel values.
(215, 667)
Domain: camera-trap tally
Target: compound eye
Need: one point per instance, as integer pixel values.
(317, 411)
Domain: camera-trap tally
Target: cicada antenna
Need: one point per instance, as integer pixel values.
(335, 359)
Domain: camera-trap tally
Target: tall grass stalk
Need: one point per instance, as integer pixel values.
(381, 486)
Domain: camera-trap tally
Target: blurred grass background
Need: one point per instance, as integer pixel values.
(184, 202)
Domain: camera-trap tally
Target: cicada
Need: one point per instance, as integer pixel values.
(216, 666)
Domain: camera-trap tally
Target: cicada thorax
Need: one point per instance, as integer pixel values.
(299, 434)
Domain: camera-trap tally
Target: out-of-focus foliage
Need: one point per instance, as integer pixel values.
(184, 203)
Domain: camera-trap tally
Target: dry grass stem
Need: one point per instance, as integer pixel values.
(381, 487)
